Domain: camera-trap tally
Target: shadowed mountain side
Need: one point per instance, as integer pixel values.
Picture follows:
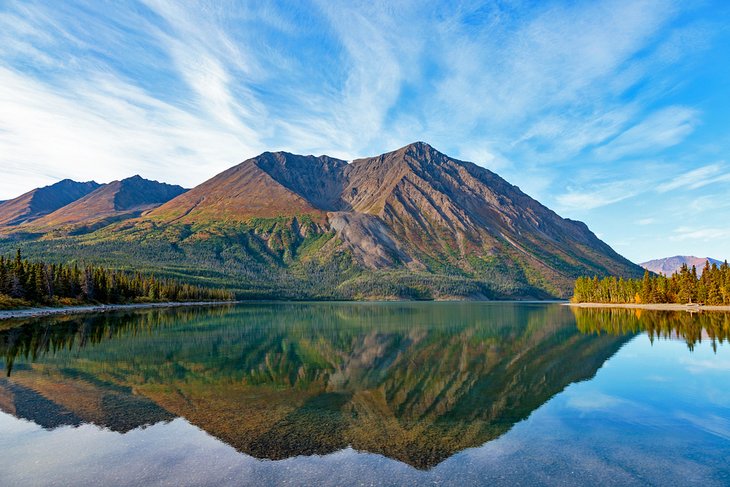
(24, 403)
(267, 186)
(411, 382)
(42, 201)
(465, 217)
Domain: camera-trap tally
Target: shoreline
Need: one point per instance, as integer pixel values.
(99, 308)
(690, 308)
(39, 312)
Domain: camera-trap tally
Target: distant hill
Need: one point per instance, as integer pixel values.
(108, 203)
(670, 265)
(41, 201)
(412, 223)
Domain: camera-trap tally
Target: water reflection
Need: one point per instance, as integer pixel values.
(416, 383)
(680, 325)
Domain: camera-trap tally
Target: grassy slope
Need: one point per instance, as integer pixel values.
(297, 258)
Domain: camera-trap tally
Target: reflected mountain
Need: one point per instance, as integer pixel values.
(414, 382)
(675, 325)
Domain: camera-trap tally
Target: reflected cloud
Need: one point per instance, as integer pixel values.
(595, 401)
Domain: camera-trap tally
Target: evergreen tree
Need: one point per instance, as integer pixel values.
(684, 286)
(43, 283)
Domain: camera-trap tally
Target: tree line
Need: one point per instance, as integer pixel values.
(24, 282)
(712, 287)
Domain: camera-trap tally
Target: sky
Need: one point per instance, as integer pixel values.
(616, 113)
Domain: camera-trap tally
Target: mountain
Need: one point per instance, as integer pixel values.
(107, 203)
(670, 265)
(412, 223)
(42, 201)
(269, 185)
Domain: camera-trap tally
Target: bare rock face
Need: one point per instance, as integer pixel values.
(250, 190)
(370, 240)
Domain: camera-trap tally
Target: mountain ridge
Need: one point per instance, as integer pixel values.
(412, 222)
(39, 202)
(109, 202)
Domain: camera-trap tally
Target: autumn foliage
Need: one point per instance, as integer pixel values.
(682, 287)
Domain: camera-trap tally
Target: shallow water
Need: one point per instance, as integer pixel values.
(367, 394)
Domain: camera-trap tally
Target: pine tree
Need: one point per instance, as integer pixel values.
(39, 282)
(684, 286)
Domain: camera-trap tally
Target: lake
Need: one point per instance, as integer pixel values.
(367, 394)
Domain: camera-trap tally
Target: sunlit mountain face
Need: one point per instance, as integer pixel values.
(412, 382)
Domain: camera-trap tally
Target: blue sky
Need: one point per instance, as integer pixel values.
(616, 113)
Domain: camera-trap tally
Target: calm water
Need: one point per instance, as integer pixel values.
(367, 394)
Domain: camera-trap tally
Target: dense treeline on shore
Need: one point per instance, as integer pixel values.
(711, 288)
(31, 283)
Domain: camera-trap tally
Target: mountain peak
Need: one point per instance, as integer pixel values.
(670, 265)
(419, 145)
(114, 201)
(419, 150)
(41, 201)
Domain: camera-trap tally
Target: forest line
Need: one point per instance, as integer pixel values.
(711, 287)
(31, 283)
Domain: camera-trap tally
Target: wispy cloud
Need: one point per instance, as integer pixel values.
(599, 194)
(103, 128)
(662, 129)
(360, 77)
(645, 221)
(595, 401)
(699, 233)
(697, 178)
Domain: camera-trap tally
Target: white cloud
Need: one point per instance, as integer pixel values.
(600, 194)
(697, 178)
(700, 234)
(645, 221)
(104, 128)
(515, 92)
(662, 129)
(595, 401)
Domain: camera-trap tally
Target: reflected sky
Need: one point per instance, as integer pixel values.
(654, 412)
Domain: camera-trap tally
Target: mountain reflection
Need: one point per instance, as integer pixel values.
(680, 325)
(414, 382)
